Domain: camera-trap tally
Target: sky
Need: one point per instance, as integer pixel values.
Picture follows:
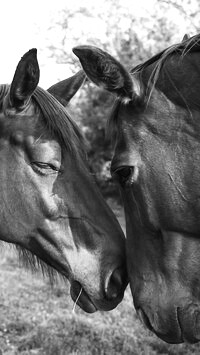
(24, 24)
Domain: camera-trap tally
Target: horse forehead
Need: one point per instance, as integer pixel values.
(28, 133)
(131, 127)
(12, 119)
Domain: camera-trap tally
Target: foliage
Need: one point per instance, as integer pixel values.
(94, 106)
(130, 33)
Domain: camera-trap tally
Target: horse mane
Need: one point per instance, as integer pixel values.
(58, 121)
(183, 48)
(56, 118)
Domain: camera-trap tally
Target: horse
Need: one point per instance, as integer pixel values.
(155, 127)
(51, 208)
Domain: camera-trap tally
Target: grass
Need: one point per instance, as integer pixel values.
(36, 318)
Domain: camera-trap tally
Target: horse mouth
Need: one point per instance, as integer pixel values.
(144, 319)
(189, 322)
(186, 329)
(172, 336)
(81, 298)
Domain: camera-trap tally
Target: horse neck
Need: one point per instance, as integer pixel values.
(179, 79)
(172, 95)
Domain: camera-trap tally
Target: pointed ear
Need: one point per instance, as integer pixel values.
(104, 70)
(185, 37)
(25, 80)
(66, 89)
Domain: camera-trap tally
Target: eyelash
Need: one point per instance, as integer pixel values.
(40, 167)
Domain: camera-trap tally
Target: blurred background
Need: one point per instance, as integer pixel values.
(36, 318)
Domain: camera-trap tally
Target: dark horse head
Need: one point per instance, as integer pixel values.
(156, 126)
(50, 205)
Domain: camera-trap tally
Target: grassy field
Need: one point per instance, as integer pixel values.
(36, 318)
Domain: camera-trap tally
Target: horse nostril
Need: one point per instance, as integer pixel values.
(115, 284)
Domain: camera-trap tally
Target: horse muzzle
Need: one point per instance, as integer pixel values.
(81, 298)
(189, 321)
(181, 325)
(106, 298)
(169, 331)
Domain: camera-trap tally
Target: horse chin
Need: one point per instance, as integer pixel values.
(189, 321)
(81, 298)
(185, 329)
(172, 335)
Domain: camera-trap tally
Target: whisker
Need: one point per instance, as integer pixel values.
(75, 303)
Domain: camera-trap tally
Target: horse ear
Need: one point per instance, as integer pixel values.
(25, 80)
(104, 70)
(185, 37)
(66, 89)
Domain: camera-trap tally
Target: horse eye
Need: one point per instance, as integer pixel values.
(44, 168)
(123, 174)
